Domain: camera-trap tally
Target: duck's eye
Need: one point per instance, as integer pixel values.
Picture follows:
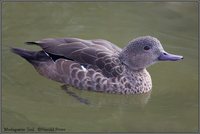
(146, 48)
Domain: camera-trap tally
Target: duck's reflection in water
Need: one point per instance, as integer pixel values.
(98, 99)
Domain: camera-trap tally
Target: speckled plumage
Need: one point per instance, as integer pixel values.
(97, 65)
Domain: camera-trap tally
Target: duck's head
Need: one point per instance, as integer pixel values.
(145, 51)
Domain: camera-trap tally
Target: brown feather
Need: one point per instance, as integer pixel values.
(86, 52)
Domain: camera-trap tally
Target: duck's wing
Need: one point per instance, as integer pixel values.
(99, 54)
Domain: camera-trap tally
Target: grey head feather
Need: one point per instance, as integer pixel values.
(141, 52)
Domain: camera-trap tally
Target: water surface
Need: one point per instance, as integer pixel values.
(30, 100)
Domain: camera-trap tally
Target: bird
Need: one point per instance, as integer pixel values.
(97, 64)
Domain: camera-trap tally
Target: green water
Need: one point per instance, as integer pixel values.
(30, 100)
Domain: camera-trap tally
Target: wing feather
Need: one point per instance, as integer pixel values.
(100, 54)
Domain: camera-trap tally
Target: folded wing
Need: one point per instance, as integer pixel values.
(98, 54)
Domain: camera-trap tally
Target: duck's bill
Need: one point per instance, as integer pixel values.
(169, 57)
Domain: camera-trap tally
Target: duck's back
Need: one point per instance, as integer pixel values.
(100, 55)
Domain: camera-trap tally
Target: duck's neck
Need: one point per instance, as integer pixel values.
(140, 79)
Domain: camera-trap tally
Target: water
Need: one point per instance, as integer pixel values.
(30, 100)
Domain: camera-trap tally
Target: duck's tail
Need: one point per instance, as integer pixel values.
(33, 57)
(43, 64)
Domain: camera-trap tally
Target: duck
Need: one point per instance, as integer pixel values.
(98, 65)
